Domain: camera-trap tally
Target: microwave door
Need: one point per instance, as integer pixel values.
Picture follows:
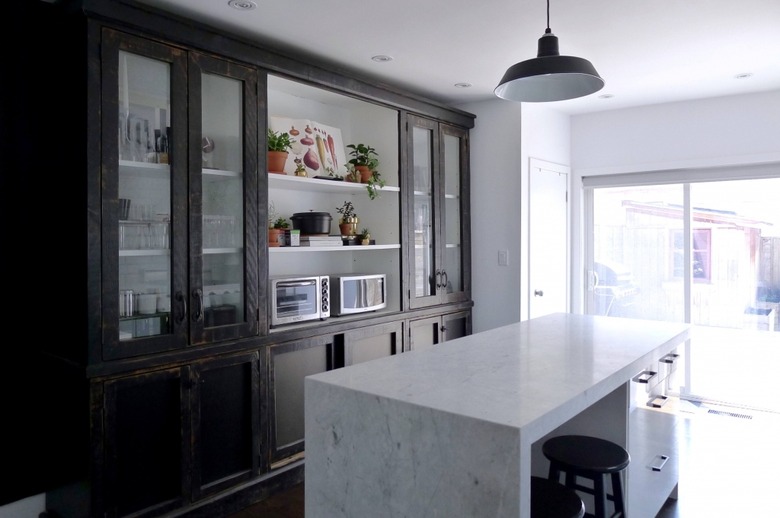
(362, 294)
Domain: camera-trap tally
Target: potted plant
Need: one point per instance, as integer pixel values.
(300, 169)
(276, 232)
(365, 159)
(278, 145)
(349, 221)
(276, 226)
(365, 236)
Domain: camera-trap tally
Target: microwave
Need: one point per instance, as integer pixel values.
(299, 298)
(357, 293)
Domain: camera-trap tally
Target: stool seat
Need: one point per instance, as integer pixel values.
(552, 500)
(586, 453)
(591, 458)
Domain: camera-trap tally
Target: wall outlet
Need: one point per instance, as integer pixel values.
(503, 257)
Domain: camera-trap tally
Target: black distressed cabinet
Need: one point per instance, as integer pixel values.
(170, 391)
(174, 436)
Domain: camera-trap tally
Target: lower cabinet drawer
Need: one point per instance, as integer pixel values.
(654, 468)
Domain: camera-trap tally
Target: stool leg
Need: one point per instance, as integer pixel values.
(600, 497)
(571, 480)
(617, 494)
(555, 472)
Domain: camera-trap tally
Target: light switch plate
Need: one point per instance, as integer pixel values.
(503, 257)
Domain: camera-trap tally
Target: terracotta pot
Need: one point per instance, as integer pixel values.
(275, 236)
(365, 173)
(276, 161)
(349, 227)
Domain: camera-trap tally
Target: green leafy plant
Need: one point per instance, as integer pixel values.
(365, 233)
(363, 154)
(375, 182)
(347, 211)
(281, 223)
(278, 141)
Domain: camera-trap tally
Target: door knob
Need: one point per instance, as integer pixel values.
(538, 293)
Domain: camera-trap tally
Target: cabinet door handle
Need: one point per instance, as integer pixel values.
(658, 462)
(538, 293)
(197, 294)
(181, 314)
(644, 376)
(669, 358)
(444, 278)
(438, 279)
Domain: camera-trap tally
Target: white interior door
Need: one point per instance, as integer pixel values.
(548, 274)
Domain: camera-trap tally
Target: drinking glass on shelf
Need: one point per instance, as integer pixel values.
(159, 235)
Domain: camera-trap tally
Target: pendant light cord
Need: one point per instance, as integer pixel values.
(548, 30)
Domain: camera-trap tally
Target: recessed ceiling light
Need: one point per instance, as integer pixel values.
(463, 85)
(606, 96)
(381, 58)
(743, 75)
(242, 5)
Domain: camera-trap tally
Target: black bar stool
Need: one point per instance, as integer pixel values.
(550, 499)
(590, 458)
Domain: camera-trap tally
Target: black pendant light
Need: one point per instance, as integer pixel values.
(549, 76)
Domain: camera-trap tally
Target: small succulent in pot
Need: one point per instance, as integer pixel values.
(347, 211)
(281, 223)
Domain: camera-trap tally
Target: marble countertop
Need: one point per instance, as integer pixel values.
(537, 372)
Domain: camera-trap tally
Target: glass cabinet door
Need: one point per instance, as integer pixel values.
(439, 166)
(453, 162)
(141, 311)
(223, 144)
(426, 277)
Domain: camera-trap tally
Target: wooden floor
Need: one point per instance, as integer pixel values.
(728, 468)
(728, 464)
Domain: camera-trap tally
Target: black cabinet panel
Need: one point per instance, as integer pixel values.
(370, 343)
(227, 421)
(289, 365)
(144, 442)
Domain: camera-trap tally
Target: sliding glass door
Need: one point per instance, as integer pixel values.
(703, 250)
(707, 253)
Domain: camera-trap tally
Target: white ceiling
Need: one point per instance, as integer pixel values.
(647, 51)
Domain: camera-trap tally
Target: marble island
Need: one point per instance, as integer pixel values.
(455, 430)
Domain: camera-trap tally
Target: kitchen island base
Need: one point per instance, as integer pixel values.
(456, 430)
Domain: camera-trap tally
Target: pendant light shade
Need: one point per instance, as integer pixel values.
(549, 76)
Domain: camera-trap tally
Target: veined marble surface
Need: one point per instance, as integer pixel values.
(447, 431)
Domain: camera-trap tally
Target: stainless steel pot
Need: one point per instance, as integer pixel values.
(312, 223)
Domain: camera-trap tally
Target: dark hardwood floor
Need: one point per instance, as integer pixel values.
(728, 468)
(288, 504)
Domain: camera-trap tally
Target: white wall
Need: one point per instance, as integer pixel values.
(742, 129)
(717, 132)
(505, 136)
